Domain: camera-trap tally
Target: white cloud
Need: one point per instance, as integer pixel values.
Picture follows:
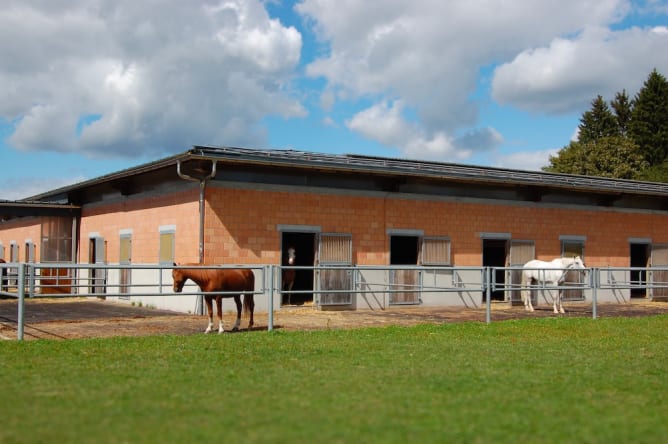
(428, 54)
(567, 73)
(525, 160)
(158, 79)
(386, 123)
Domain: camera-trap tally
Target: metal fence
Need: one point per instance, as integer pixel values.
(331, 287)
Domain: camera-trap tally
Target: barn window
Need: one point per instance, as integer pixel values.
(125, 258)
(572, 246)
(2, 251)
(335, 249)
(13, 252)
(436, 251)
(30, 251)
(167, 238)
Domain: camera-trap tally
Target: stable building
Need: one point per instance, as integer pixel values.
(222, 205)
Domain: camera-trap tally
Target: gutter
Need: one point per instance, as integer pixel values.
(202, 187)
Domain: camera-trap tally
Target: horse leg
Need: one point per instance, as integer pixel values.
(558, 301)
(209, 310)
(237, 300)
(526, 294)
(219, 306)
(290, 285)
(251, 306)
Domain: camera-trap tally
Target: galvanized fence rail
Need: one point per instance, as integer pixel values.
(431, 286)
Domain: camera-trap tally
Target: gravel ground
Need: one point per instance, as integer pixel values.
(90, 318)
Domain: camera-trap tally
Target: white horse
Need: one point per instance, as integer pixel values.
(553, 272)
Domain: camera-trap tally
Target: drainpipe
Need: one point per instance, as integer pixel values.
(202, 187)
(199, 306)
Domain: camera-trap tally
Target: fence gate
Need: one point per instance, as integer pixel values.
(521, 252)
(334, 271)
(659, 277)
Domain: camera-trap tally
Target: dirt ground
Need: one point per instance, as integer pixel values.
(89, 318)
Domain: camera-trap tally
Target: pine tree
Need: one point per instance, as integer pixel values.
(649, 120)
(597, 123)
(623, 109)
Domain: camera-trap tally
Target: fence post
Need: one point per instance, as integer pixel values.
(21, 294)
(270, 301)
(594, 281)
(488, 292)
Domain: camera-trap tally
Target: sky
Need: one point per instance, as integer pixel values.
(90, 87)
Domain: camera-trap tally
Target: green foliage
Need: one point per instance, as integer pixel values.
(656, 173)
(614, 157)
(623, 111)
(631, 143)
(597, 123)
(649, 121)
(544, 380)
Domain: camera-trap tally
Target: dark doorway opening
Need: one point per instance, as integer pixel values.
(494, 253)
(304, 245)
(640, 254)
(404, 250)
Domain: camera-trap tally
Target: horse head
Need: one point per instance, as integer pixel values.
(179, 279)
(292, 256)
(578, 264)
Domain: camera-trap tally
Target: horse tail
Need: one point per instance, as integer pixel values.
(249, 302)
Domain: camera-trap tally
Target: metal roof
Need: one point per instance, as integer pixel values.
(440, 170)
(379, 166)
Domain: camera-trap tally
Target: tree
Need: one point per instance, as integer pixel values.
(615, 156)
(623, 110)
(597, 123)
(656, 173)
(648, 126)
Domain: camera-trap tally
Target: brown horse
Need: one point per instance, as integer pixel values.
(289, 274)
(220, 279)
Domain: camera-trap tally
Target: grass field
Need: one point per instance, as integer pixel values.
(548, 380)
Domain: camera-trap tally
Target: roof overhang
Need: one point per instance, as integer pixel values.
(196, 162)
(14, 209)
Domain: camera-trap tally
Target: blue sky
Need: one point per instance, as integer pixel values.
(88, 87)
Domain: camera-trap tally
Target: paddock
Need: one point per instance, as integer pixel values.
(86, 307)
(76, 318)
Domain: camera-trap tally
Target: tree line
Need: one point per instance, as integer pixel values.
(625, 139)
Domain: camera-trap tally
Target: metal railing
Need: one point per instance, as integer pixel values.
(358, 286)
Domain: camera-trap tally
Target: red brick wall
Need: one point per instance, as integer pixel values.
(20, 230)
(241, 224)
(144, 216)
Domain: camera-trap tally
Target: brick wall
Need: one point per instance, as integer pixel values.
(20, 230)
(242, 225)
(144, 216)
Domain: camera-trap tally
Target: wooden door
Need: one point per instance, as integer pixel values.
(334, 272)
(659, 278)
(521, 252)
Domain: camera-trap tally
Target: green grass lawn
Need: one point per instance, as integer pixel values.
(547, 380)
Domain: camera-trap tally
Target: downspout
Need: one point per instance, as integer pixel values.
(202, 187)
